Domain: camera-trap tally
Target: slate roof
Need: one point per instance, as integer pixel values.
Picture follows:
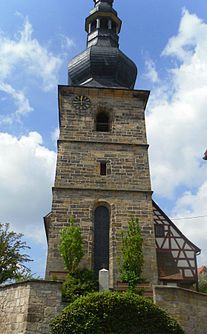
(102, 64)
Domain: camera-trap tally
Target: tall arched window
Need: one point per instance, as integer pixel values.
(101, 238)
(102, 122)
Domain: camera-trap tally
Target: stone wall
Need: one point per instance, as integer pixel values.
(28, 307)
(78, 166)
(188, 307)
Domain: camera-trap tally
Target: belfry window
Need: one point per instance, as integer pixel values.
(102, 122)
(114, 26)
(93, 26)
(104, 23)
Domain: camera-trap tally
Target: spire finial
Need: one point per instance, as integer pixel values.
(110, 2)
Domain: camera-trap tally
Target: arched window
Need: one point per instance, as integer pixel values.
(102, 122)
(101, 238)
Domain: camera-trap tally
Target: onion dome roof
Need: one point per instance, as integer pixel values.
(102, 64)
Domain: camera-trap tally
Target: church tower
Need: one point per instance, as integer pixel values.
(102, 174)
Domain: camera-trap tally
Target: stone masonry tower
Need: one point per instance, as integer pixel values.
(102, 175)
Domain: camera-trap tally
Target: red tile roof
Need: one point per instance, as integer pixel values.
(202, 269)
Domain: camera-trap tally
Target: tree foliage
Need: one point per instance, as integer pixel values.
(132, 259)
(114, 313)
(202, 282)
(78, 284)
(12, 258)
(71, 246)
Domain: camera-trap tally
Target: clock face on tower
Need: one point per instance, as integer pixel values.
(81, 102)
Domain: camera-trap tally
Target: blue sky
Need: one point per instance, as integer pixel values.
(167, 41)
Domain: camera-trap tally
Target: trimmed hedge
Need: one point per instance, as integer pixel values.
(114, 313)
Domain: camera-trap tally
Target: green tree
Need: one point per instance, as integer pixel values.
(132, 259)
(12, 258)
(71, 246)
(202, 282)
(79, 283)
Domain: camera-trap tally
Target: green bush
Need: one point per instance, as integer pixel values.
(113, 313)
(202, 282)
(79, 284)
(132, 259)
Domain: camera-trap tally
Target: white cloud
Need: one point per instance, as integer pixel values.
(177, 119)
(34, 58)
(194, 207)
(191, 31)
(55, 135)
(20, 100)
(26, 176)
(151, 72)
(177, 129)
(26, 165)
(23, 56)
(66, 42)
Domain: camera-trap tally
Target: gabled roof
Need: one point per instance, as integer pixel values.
(162, 216)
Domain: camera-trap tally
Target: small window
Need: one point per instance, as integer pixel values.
(159, 231)
(102, 122)
(102, 168)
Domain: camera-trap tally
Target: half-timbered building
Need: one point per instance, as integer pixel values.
(176, 255)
